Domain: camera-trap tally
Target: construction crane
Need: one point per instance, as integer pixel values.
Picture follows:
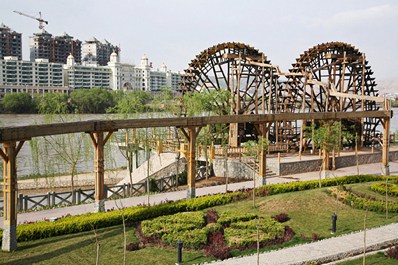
(40, 19)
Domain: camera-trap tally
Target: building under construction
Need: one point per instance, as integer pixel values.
(10, 42)
(56, 49)
(97, 52)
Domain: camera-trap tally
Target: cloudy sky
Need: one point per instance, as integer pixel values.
(174, 31)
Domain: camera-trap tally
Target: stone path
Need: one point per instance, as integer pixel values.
(325, 251)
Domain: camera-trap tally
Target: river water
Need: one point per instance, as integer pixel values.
(31, 162)
(42, 158)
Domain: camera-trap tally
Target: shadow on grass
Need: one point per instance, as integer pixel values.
(53, 239)
(66, 249)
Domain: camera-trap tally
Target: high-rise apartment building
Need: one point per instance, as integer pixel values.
(56, 49)
(86, 76)
(97, 52)
(10, 42)
(39, 76)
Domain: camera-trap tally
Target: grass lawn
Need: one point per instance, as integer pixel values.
(310, 212)
(81, 249)
(376, 259)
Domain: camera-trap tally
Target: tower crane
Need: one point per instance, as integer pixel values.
(40, 19)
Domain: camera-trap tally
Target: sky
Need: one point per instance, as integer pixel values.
(175, 31)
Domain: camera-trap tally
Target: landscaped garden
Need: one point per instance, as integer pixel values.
(211, 227)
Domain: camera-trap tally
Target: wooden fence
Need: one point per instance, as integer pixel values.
(79, 196)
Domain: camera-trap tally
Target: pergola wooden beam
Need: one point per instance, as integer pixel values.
(26, 132)
(99, 142)
(9, 155)
(191, 136)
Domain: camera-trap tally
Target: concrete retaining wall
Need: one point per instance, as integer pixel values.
(342, 161)
(241, 171)
(236, 169)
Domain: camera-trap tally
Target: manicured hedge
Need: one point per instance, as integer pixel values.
(372, 205)
(228, 217)
(87, 222)
(172, 223)
(313, 184)
(381, 188)
(244, 233)
(194, 238)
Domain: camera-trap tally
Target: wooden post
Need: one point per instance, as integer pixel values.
(262, 171)
(386, 146)
(191, 137)
(233, 135)
(99, 142)
(9, 155)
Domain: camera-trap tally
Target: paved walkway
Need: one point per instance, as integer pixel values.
(325, 251)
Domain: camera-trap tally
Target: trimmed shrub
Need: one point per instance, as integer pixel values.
(281, 218)
(213, 227)
(194, 238)
(228, 217)
(381, 188)
(133, 246)
(244, 234)
(392, 252)
(211, 216)
(313, 184)
(172, 224)
(217, 247)
(373, 205)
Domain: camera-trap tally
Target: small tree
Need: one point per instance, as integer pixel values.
(327, 138)
(71, 149)
(255, 149)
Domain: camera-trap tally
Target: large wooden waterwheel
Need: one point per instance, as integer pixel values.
(240, 69)
(334, 77)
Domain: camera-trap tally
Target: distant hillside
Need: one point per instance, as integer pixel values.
(387, 86)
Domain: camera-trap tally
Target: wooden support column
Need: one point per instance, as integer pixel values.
(191, 136)
(9, 155)
(262, 169)
(386, 147)
(233, 135)
(99, 142)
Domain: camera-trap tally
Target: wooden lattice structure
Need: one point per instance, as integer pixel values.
(330, 77)
(333, 77)
(245, 72)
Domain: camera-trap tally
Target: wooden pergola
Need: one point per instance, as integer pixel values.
(13, 138)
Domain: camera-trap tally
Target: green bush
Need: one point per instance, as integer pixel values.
(381, 188)
(267, 225)
(244, 234)
(194, 238)
(186, 226)
(228, 217)
(313, 184)
(213, 227)
(372, 205)
(172, 223)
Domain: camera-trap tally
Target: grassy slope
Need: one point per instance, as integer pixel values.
(376, 259)
(310, 213)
